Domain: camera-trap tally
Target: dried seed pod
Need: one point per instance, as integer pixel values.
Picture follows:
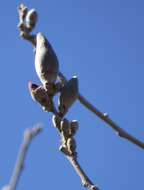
(46, 62)
(31, 19)
(68, 95)
(39, 94)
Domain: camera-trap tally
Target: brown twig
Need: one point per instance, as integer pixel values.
(29, 134)
(104, 116)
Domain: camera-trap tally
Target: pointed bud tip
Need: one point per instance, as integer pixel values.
(32, 86)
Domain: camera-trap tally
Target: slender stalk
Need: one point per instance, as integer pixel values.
(103, 116)
(86, 182)
(29, 134)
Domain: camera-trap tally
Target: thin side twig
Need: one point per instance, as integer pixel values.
(29, 135)
(104, 116)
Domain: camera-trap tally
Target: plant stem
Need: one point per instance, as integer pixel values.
(86, 182)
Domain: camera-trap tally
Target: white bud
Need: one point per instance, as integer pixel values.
(46, 62)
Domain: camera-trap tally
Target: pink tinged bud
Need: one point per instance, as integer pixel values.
(32, 86)
(68, 95)
(39, 94)
(32, 89)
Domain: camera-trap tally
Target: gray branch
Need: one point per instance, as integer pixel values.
(86, 182)
(29, 134)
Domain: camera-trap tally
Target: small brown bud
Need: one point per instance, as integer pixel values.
(39, 94)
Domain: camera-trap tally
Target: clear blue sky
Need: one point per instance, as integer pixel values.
(102, 42)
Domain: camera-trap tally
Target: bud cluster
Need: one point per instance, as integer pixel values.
(53, 83)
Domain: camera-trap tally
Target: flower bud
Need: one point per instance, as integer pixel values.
(68, 95)
(39, 95)
(31, 18)
(46, 62)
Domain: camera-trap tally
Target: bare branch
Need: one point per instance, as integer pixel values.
(104, 116)
(86, 182)
(29, 134)
(68, 94)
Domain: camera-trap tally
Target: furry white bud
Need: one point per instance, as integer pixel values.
(46, 62)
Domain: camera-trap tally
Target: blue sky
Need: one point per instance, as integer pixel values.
(102, 42)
